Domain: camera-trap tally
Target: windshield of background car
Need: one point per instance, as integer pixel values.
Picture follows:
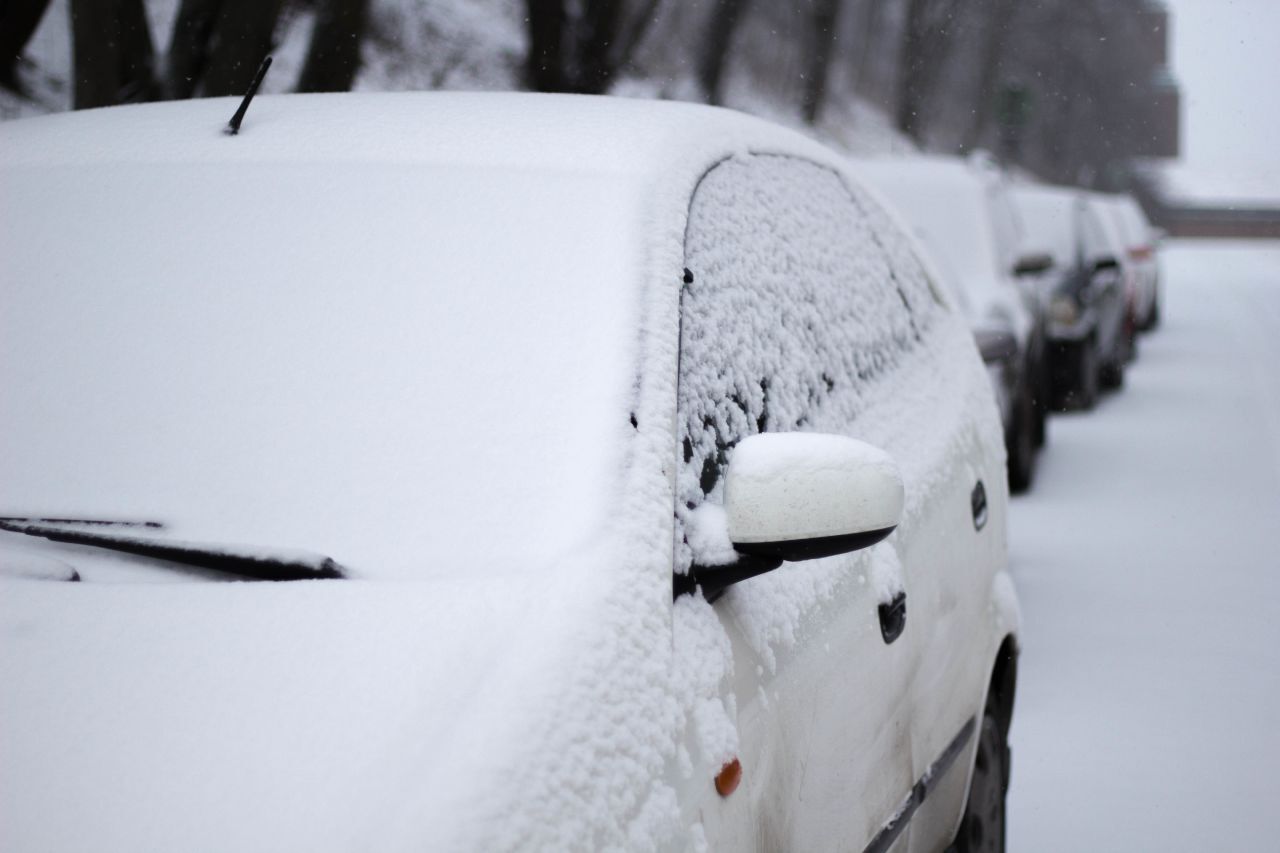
(411, 369)
(950, 217)
(1048, 219)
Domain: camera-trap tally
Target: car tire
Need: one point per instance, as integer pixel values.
(1087, 370)
(1022, 445)
(1042, 397)
(982, 826)
(1112, 374)
(1153, 316)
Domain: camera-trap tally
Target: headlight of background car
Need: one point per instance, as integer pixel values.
(1064, 310)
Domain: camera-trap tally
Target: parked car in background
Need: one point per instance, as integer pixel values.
(1140, 249)
(651, 492)
(961, 211)
(1113, 233)
(1084, 289)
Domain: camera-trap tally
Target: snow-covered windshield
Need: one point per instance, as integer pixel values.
(950, 216)
(1048, 217)
(411, 369)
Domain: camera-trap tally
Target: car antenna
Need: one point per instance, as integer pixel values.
(233, 127)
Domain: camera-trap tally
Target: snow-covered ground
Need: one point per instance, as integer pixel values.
(1148, 563)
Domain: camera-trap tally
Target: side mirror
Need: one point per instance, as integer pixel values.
(1033, 264)
(800, 496)
(995, 345)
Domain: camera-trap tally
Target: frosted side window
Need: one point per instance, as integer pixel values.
(803, 293)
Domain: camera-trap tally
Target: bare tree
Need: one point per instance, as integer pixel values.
(217, 45)
(580, 47)
(18, 22)
(825, 18)
(333, 57)
(545, 65)
(111, 52)
(926, 42)
(713, 54)
(999, 23)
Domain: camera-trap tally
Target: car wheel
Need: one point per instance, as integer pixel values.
(1153, 317)
(1112, 374)
(1042, 398)
(1022, 445)
(982, 828)
(1082, 394)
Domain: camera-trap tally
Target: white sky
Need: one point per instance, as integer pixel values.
(1226, 56)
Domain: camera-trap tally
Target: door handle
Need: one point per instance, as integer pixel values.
(893, 618)
(978, 503)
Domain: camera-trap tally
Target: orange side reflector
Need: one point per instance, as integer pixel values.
(728, 779)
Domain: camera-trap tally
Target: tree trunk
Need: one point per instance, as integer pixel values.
(714, 57)
(826, 14)
(999, 25)
(333, 58)
(926, 41)
(111, 53)
(594, 42)
(18, 22)
(545, 68)
(189, 46)
(241, 39)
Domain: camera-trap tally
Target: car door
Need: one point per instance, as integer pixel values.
(1106, 291)
(791, 314)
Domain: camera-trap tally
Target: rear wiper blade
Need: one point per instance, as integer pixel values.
(229, 559)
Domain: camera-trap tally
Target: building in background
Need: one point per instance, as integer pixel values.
(1160, 101)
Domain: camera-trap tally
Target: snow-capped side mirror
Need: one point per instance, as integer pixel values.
(800, 496)
(1033, 264)
(995, 345)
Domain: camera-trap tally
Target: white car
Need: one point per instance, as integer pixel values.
(1140, 253)
(649, 495)
(962, 212)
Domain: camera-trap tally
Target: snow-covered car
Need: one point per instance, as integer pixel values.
(635, 488)
(960, 209)
(1105, 209)
(1087, 303)
(1140, 248)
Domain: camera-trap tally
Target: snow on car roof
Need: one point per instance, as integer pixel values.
(573, 132)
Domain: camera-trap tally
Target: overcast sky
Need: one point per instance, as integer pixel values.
(1226, 56)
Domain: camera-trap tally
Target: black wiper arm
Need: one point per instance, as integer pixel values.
(228, 559)
(91, 522)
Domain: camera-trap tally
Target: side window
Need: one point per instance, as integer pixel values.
(1007, 228)
(1093, 236)
(801, 294)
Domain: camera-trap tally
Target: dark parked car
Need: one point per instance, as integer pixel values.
(1084, 291)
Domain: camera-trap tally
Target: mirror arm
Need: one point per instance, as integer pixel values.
(758, 558)
(714, 580)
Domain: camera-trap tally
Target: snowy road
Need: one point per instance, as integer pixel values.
(1148, 562)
